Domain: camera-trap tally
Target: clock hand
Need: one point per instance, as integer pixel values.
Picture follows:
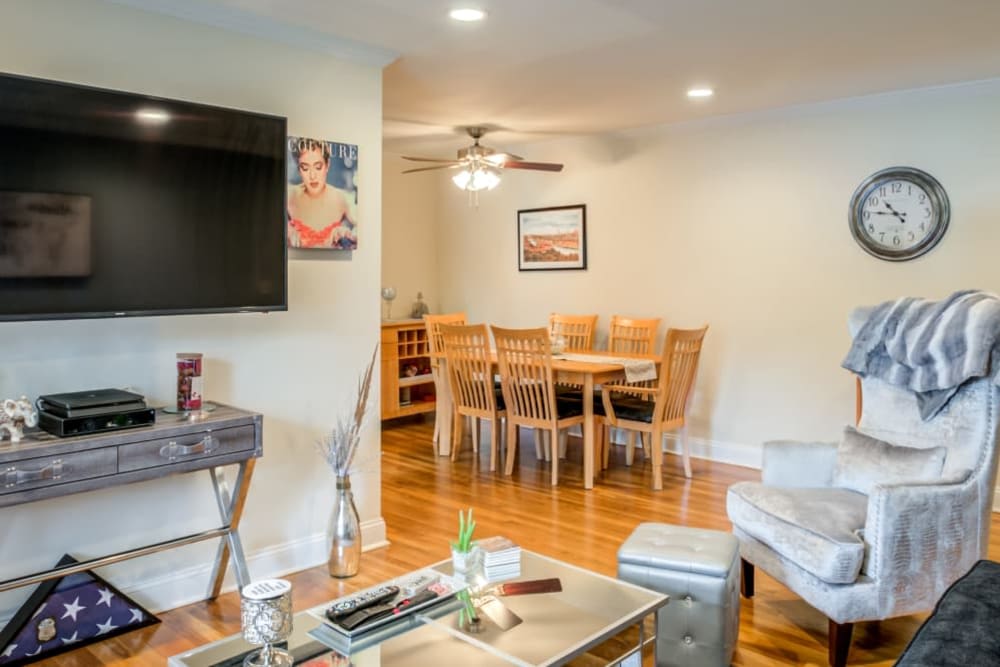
(901, 216)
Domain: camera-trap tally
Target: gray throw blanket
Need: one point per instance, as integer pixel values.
(930, 347)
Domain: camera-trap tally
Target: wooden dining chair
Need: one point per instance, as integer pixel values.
(629, 335)
(470, 375)
(661, 408)
(525, 360)
(443, 412)
(576, 330)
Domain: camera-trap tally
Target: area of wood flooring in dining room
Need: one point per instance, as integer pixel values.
(421, 497)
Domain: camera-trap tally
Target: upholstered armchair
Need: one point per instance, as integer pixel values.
(850, 529)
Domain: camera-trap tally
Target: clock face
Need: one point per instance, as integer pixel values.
(899, 213)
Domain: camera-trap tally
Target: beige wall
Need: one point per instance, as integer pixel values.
(298, 368)
(409, 234)
(741, 222)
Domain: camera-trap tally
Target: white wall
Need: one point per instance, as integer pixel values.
(298, 368)
(741, 223)
(409, 234)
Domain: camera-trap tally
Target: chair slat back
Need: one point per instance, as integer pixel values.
(470, 369)
(681, 351)
(632, 336)
(525, 360)
(432, 323)
(576, 330)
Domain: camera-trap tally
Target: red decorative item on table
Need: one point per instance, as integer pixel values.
(189, 381)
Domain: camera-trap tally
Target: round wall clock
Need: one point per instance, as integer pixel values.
(899, 213)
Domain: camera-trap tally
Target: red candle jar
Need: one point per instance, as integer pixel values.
(189, 382)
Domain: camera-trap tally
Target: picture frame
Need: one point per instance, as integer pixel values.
(322, 198)
(552, 238)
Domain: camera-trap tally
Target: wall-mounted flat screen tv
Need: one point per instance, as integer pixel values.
(117, 204)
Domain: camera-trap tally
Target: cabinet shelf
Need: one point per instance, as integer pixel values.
(405, 348)
(415, 380)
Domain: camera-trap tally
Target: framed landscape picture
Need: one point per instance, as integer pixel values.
(552, 238)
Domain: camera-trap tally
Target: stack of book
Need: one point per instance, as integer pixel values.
(501, 558)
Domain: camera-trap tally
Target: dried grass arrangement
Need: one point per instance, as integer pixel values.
(340, 446)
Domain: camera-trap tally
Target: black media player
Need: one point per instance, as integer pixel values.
(85, 425)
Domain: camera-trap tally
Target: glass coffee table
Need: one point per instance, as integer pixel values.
(556, 627)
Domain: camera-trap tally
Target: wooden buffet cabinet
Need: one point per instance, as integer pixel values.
(407, 383)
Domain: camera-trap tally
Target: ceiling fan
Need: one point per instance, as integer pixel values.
(479, 166)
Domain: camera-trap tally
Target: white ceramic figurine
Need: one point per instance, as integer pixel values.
(15, 415)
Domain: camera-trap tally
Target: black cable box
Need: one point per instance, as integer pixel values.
(85, 425)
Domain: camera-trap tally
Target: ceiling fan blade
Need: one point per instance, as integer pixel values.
(437, 166)
(500, 158)
(426, 159)
(540, 166)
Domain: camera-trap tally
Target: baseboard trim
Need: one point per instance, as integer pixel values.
(190, 585)
(734, 453)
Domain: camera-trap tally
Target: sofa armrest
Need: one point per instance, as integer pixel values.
(794, 463)
(920, 539)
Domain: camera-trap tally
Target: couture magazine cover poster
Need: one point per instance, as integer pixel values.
(322, 194)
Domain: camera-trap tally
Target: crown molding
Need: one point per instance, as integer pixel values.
(246, 23)
(805, 109)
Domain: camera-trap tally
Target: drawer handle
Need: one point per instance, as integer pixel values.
(172, 451)
(14, 477)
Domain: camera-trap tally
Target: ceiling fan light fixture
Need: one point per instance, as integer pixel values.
(461, 179)
(467, 14)
(485, 178)
(477, 178)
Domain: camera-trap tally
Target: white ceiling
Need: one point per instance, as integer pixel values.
(536, 68)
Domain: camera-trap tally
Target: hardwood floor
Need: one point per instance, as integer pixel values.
(422, 495)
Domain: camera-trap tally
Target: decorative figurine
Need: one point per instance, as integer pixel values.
(419, 307)
(15, 415)
(388, 294)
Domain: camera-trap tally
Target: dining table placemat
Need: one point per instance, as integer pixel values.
(636, 370)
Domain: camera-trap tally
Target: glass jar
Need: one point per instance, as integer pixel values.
(189, 381)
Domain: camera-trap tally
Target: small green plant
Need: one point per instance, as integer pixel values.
(467, 614)
(465, 527)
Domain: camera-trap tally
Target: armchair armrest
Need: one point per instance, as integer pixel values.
(802, 464)
(921, 538)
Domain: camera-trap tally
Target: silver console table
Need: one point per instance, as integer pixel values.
(43, 466)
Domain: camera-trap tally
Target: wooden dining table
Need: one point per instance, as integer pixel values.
(586, 374)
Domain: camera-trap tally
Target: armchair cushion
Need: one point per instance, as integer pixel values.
(864, 461)
(817, 529)
(795, 463)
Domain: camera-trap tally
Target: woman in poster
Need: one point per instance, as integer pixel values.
(319, 214)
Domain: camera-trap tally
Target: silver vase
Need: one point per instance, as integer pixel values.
(345, 533)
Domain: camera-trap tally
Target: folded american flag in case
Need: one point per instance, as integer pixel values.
(63, 614)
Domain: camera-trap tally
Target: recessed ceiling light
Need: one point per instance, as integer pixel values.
(467, 14)
(701, 92)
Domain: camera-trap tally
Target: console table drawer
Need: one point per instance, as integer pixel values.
(170, 451)
(59, 469)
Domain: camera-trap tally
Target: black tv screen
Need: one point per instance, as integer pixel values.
(117, 204)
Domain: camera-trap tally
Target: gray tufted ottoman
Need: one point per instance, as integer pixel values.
(699, 570)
